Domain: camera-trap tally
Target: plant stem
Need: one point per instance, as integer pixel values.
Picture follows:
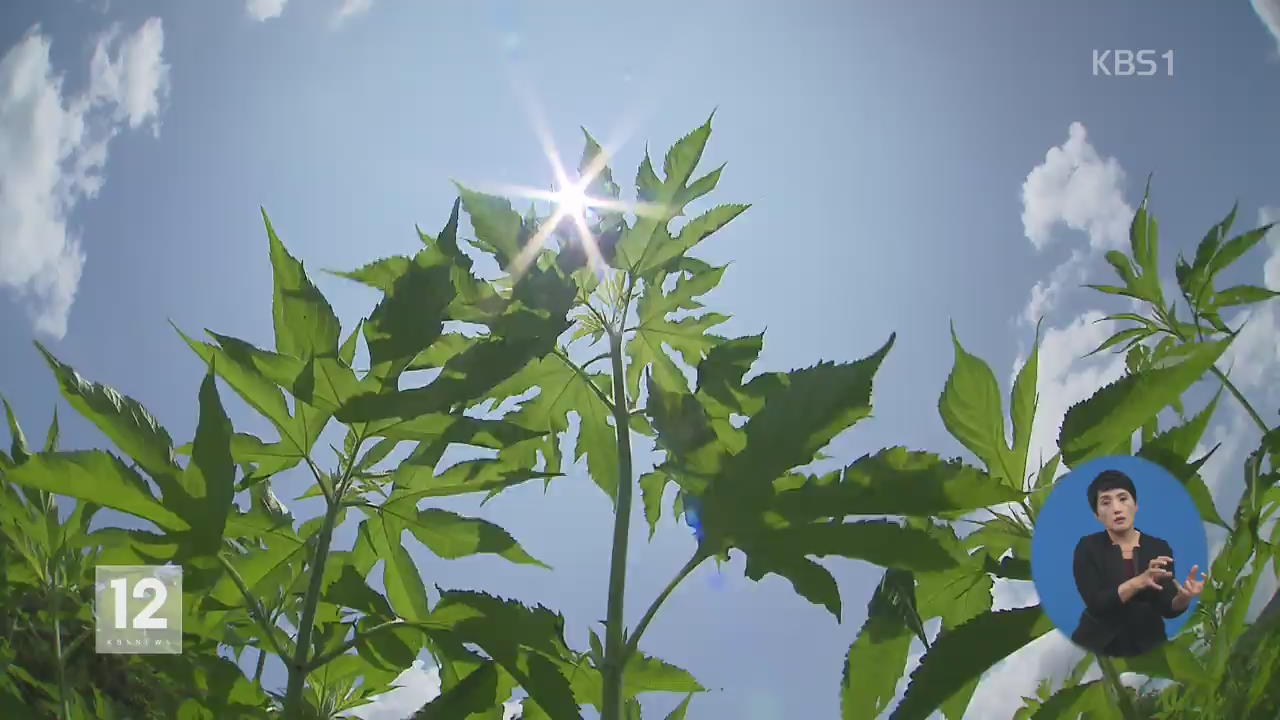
(1248, 407)
(634, 641)
(299, 668)
(64, 701)
(615, 651)
(1123, 699)
(262, 663)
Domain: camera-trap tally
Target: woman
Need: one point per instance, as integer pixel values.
(1125, 577)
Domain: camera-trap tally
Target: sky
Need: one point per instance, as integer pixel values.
(909, 166)
(1165, 510)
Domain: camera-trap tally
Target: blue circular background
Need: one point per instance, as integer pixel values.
(1165, 510)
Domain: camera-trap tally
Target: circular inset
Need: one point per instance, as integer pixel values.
(1098, 556)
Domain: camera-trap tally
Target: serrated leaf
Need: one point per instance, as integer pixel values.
(679, 712)
(644, 674)
(876, 659)
(98, 477)
(209, 479)
(122, 419)
(803, 410)
(564, 390)
(1242, 295)
(1023, 400)
(453, 536)
(476, 693)
(1069, 702)
(695, 231)
(896, 481)
(497, 226)
(964, 653)
(810, 580)
(504, 629)
(379, 274)
(18, 445)
(1130, 335)
(1236, 247)
(263, 395)
(973, 413)
(1097, 425)
(688, 336)
(305, 325)
(652, 486)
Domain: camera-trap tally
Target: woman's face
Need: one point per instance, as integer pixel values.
(1116, 509)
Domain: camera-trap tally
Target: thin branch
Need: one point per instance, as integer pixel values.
(586, 378)
(322, 660)
(634, 641)
(254, 608)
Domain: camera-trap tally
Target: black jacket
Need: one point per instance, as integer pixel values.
(1108, 626)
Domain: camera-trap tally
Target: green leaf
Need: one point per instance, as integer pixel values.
(688, 336)
(419, 480)
(695, 231)
(121, 418)
(209, 480)
(98, 477)
(18, 447)
(652, 486)
(683, 157)
(1072, 700)
(803, 411)
(810, 580)
(405, 590)
(1099, 424)
(964, 653)
(679, 712)
(453, 536)
(523, 640)
(956, 595)
(305, 325)
(497, 226)
(644, 674)
(1023, 399)
(896, 481)
(411, 315)
(478, 692)
(1242, 295)
(380, 274)
(564, 390)
(1130, 335)
(1236, 247)
(235, 364)
(876, 659)
(973, 413)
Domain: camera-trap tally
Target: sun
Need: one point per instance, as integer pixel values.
(572, 200)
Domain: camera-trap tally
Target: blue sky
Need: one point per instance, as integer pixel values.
(1165, 510)
(909, 165)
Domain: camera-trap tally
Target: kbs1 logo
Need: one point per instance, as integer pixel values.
(138, 609)
(1127, 63)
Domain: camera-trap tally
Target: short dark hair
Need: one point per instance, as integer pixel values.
(1109, 480)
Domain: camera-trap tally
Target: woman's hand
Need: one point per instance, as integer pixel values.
(1192, 587)
(1156, 571)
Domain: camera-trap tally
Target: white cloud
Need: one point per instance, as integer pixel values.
(1078, 188)
(1066, 377)
(1046, 294)
(136, 79)
(53, 148)
(417, 686)
(1269, 12)
(263, 10)
(351, 8)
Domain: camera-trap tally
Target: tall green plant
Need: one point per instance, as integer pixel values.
(1165, 356)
